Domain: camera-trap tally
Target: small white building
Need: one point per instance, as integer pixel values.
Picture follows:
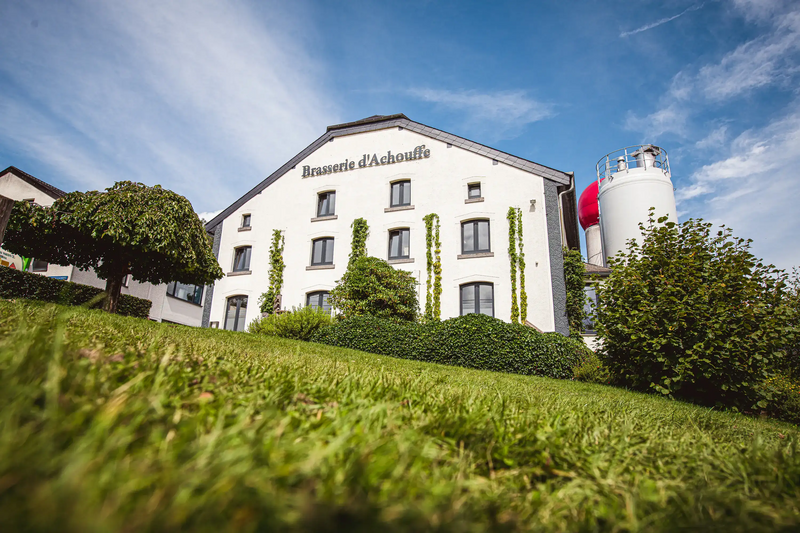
(392, 172)
(175, 302)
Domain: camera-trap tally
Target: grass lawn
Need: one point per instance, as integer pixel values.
(117, 424)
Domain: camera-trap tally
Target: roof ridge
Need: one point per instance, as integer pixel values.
(36, 182)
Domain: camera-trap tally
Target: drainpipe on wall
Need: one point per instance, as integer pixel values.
(561, 208)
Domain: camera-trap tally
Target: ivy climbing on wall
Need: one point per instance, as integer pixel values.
(268, 300)
(516, 257)
(434, 268)
(359, 240)
(513, 259)
(523, 294)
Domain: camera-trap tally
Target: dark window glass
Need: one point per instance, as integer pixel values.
(589, 306)
(477, 298)
(398, 244)
(245, 221)
(126, 280)
(318, 299)
(39, 266)
(475, 237)
(241, 260)
(474, 190)
(401, 193)
(322, 251)
(326, 206)
(235, 313)
(183, 291)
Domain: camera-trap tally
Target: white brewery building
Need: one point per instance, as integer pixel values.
(392, 172)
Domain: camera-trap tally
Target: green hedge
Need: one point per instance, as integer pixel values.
(18, 284)
(472, 341)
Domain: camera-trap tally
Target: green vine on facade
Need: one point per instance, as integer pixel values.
(523, 294)
(514, 260)
(434, 268)
(359, 241)
(574, 276)
(269, 300)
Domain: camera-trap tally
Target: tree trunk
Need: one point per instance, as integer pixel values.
(113, 289)
(6, 205)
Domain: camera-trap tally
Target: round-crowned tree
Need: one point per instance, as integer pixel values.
(692, 314)
(370, 286)
(149, 232)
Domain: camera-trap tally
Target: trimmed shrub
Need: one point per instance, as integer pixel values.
(370, 286)
(18, 284)
(471, 341)
(785, 403)
(298, 324)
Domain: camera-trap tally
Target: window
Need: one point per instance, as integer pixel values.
(245, 221)
(475, 237)
(401, 193)
(39, 266)
(241, 259)
(477, 298)
(318, 299)
(326, 204)
(398, 243)
(473, 191)
(588, 307)
(322, 251)
(183, 291)
(235, 313)
(126, 280)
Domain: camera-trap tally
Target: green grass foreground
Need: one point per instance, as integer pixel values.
(111, 423)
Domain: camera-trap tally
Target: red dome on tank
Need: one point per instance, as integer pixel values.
(588, 212)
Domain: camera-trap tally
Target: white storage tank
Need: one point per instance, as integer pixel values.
(631, 181)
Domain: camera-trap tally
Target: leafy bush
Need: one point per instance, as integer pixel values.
(591, 369)
(19, 284)
(370, 286)
(785, 393)
(693, 315)
(472, 341)
(298, 324)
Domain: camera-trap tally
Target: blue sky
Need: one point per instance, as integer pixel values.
(209, 98)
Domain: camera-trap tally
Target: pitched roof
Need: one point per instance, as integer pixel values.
(46, 188)
(380, 122)
(596, 270)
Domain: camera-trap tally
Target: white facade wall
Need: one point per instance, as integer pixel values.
(438, 185)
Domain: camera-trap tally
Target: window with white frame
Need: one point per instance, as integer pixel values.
(246, 221)
(399, 247)
(477, 298)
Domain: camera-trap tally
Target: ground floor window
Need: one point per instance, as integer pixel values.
(588, 308)
(235, 313)
(183, 291)
(477, 298)
(318, 299)
(39, 266)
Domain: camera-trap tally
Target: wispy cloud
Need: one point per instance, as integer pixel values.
(661, 21)
(754, 188)
(196, 96)
(498, 115)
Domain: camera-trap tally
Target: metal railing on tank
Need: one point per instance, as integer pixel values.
(638, 156)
